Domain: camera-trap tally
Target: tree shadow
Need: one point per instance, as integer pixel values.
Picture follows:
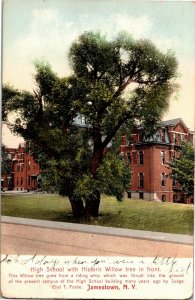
(70, 218)
(67, 217)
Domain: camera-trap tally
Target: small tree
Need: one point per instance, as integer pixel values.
(5, 162)
(183, 168)
(6, 165)
(114, 85)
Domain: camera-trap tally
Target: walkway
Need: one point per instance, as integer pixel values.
(27, 236)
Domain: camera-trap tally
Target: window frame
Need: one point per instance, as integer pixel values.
(141, 195)
(163, 179)
(141, 158)
(129, 157)
(163, 198)
(162, 155)
(141, 180)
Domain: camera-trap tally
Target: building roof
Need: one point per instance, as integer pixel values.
(172, 122)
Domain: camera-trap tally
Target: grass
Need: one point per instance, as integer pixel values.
(132, 214)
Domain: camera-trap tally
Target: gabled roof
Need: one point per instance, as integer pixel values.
(171, 122)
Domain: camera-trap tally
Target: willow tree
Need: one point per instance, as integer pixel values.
(114, 85)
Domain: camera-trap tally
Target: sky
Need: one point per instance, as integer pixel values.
(45, 30)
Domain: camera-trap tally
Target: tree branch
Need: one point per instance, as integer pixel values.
(39, 98)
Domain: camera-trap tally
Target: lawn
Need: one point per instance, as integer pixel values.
(132, 214)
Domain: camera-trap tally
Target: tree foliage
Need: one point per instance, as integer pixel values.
(114, 85)
(9, 98)
(183, 168)
(5, 162)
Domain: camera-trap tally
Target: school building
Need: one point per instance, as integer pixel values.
(25, 171)
(149, 160)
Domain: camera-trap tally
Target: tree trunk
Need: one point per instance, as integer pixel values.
(77, 207)
(96, 161)
(91, 208)
(92, 205)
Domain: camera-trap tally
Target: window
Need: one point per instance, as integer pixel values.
(28, 164)
(82, 119)
(129, 194)
(162, 157)
(28, 180)
(174, 182)
(21, 181)
(17, 181)
(129, 157)
(141, 158)
(174, 154)
(174, 198)
(141, 179)
(22, 167)
(174, 138)
(141, 195)
(163, 198)
(163, 176)
(18, 167)
(182, 137)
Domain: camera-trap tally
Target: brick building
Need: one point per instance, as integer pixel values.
(25, 170)
(149, 158)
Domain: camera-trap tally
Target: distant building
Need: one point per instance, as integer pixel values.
(149, 160)
(25, 170)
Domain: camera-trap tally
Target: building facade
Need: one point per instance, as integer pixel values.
(25, 171)
(149, 160)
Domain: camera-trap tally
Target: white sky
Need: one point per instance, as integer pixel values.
(45, 29)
